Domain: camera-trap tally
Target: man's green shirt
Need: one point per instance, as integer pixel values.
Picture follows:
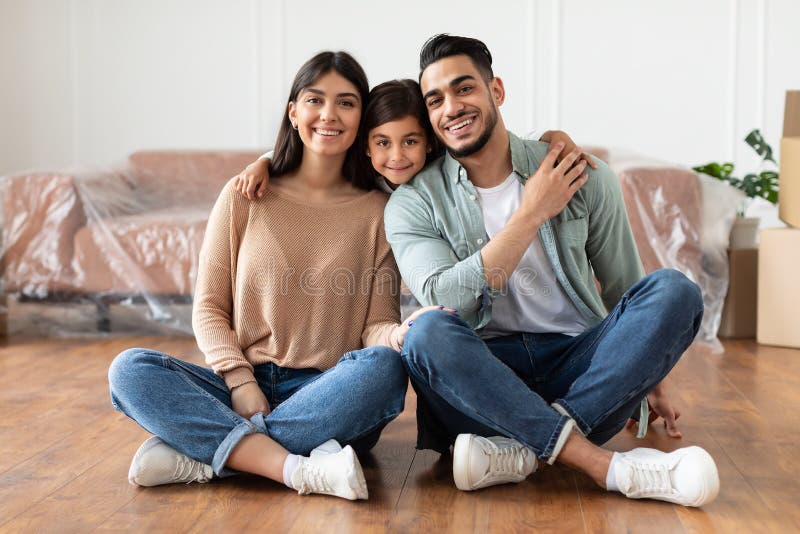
(435, 226)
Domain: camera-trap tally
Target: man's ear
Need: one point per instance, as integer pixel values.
(498, 91)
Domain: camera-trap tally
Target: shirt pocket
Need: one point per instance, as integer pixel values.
(573, 232)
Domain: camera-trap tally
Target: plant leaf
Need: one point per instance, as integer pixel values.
(757, 142)
(720, 171)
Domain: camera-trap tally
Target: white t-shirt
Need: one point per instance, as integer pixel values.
(533, 300)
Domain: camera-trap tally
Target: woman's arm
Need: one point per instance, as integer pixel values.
(212, 310)
(383, 315)
(382, 326)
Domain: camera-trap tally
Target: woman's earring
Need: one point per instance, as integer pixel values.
(294, 125)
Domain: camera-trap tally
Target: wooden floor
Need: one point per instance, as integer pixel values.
(64, 456)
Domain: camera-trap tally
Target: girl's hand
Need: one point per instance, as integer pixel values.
(399, 333)
(252, 181)
(556, 136)
(248, 400)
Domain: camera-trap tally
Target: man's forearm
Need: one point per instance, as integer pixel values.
(502, 254)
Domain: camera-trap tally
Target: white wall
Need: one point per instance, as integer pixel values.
(88, 81)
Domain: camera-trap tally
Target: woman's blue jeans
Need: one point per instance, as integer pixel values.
(189, 407)
(507, 385)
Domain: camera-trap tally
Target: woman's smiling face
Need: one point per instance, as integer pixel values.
(327, 114)
(398, 149)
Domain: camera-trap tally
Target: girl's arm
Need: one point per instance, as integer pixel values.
(252, 181)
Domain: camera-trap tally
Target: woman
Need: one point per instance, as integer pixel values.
(286, 285)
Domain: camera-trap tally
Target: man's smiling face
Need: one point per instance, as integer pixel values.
(462, 106)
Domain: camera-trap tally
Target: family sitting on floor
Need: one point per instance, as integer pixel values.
(517, 357)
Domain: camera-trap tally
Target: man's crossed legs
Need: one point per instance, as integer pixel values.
(548, 391)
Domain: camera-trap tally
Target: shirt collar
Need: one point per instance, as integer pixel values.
(520, 161)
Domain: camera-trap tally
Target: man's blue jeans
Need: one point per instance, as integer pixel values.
(189, 407)
(508, 385)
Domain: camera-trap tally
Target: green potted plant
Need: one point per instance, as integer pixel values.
(762, 185)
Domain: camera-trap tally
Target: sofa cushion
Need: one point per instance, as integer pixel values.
(186, 177)
(154, 252)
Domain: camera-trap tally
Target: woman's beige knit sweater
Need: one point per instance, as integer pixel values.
(298, 284)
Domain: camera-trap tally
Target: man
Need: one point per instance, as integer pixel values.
(514, 239)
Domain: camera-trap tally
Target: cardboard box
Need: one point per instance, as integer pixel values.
(739, 311)
(789, 180)
(779, 287)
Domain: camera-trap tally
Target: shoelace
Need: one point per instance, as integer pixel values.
(189, 470)
(506, 460)
(313, 479)
(650, 479)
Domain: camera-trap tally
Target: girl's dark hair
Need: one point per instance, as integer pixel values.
(393, 100)
(289, 147)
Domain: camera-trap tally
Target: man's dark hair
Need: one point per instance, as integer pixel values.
(444, 45)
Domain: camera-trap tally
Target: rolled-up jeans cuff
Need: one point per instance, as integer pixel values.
(563, 411)
(569, 425)
(228, 444)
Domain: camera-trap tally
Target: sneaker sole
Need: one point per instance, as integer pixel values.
(361, 490)
(148, 444)
(711, 491)
(461, 462)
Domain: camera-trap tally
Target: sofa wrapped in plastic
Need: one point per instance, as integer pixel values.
(115, 250)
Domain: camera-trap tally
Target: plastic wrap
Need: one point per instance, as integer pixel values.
(681, 220)
(88, 252)
(91, 252)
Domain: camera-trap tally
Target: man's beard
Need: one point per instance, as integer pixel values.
(480, 142)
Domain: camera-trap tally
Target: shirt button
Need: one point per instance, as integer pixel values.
(480, 241)
(472, 197)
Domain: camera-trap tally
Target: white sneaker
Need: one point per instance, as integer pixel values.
(479, 462)
(687, 476)
(157, 463)
(329, 447)
(338, 474)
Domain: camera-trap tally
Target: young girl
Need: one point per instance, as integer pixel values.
(398, 140)
(296, 310)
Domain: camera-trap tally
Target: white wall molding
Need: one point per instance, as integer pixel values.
(74, 80)
(273, 85)
(761, 69)
(547, 28)
(732, 82)
(681, 81)
(529, 55)
(257, 67)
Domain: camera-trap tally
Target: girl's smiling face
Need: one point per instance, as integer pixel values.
(398, 149)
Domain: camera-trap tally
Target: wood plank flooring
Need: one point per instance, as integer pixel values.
(64, 456)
